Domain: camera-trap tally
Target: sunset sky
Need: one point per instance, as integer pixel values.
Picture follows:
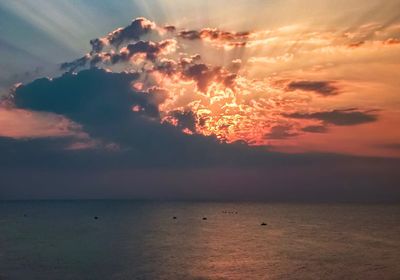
(200, 99)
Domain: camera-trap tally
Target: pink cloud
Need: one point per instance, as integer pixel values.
(19, 123)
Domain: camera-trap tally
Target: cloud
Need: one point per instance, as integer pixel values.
(75, 64)
(217, 38)
(346, 117)
(324, 88)
(133, 32)
(204, 74)
(24, 124)
(201, 73)
(103, 103)
(315, 129)
(170, 28)
(280, 132)
(392, 41)
(149, 49)
(185, 120)
(138, 28)
(189, 34)
(109, 48)
(131, 35)
(213, 34)
(95, 98)
(356, 44)
(75, 93)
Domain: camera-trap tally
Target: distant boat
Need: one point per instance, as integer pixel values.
(263, 224)
(204, 218)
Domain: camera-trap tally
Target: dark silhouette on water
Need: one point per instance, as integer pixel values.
(174, 218)
(95, 217)
(229, 212)
(263, 224)
(204, 218)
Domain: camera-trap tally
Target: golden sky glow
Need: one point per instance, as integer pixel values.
(294, 88)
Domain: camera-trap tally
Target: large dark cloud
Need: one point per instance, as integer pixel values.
(91, 96)
(338, 117)
(102, 103)
(156, 160)
(325, 88)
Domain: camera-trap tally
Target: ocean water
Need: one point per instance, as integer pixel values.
(141, 240)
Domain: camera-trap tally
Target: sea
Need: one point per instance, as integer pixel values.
(106, 239)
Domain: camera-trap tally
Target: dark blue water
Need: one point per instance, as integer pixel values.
(132, 240)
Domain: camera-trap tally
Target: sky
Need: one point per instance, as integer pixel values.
(261, 100)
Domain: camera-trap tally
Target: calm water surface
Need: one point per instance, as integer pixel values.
(133, 240)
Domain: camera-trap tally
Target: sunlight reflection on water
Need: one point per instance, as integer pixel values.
(131, 240)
